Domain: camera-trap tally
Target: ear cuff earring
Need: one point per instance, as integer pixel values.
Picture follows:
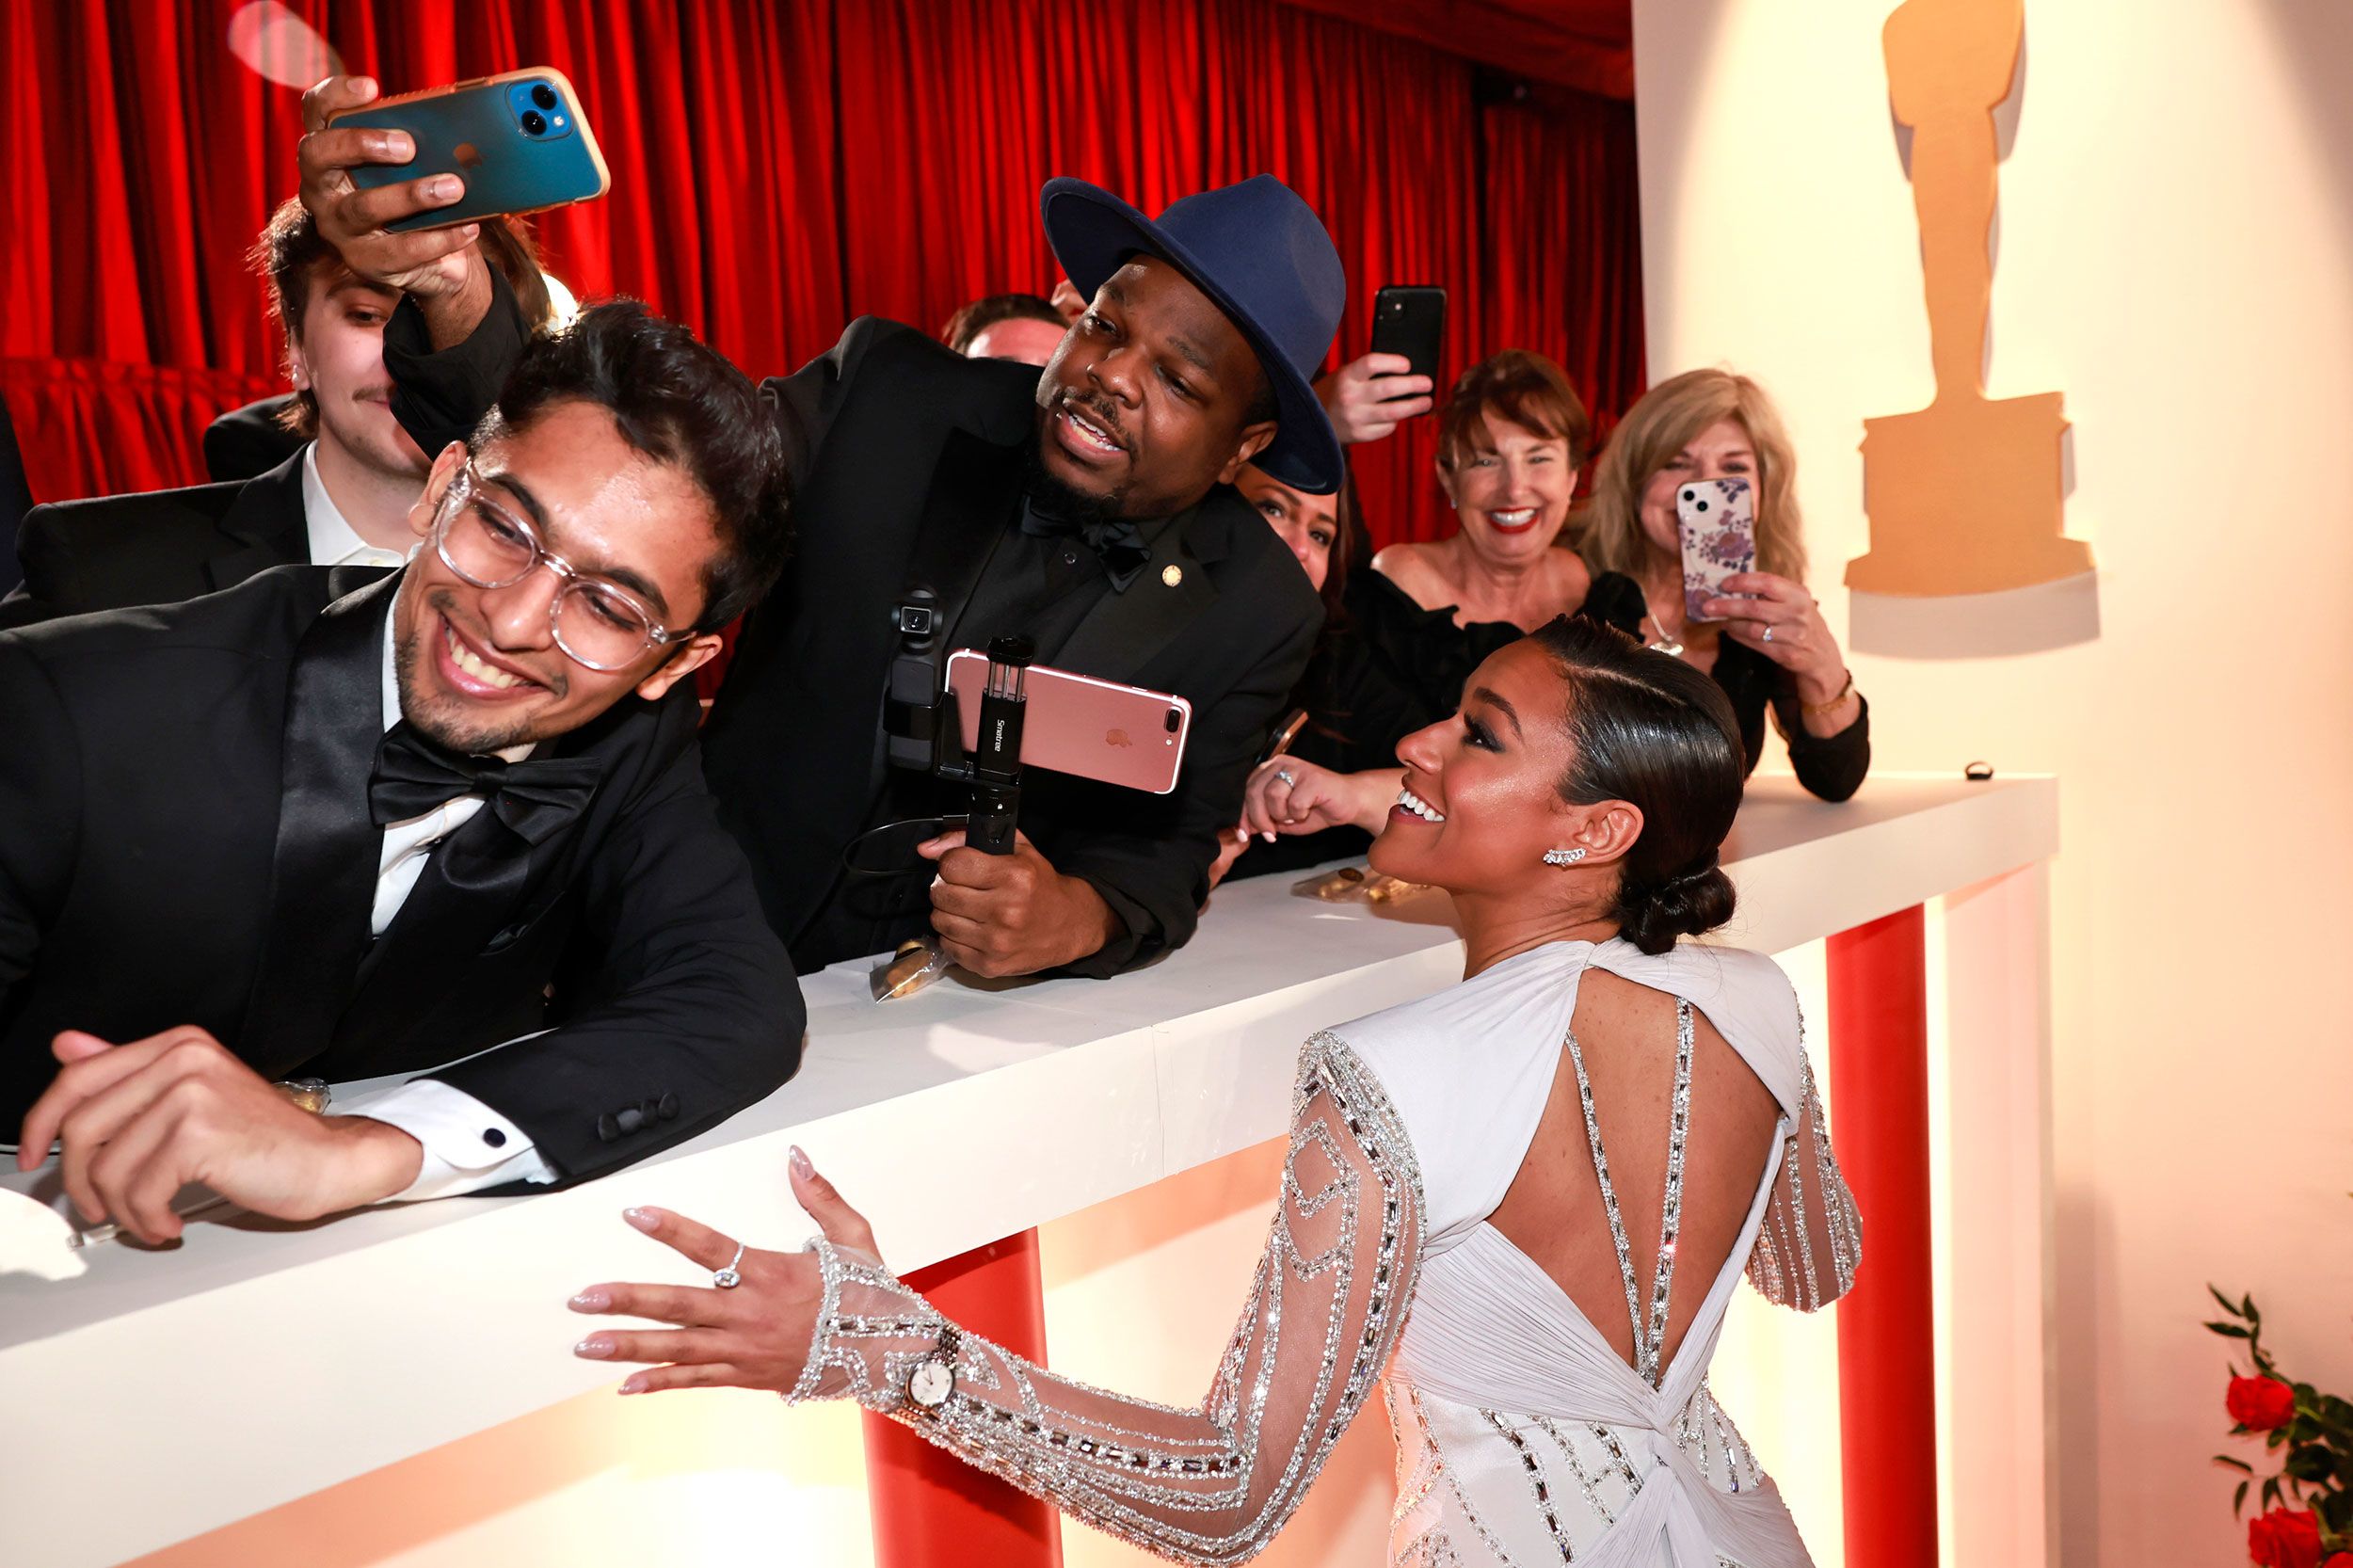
(1564, 856)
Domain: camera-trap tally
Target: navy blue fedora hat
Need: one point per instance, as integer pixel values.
(1261, 255)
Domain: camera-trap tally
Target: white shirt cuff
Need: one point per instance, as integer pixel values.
(468, 1145)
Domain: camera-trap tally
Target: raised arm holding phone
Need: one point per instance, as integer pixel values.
(1088, 506)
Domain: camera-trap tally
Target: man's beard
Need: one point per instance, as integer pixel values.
(441, 722)
(1054, 497)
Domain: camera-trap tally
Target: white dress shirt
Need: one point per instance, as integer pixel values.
(333, 541)
(467, 1145)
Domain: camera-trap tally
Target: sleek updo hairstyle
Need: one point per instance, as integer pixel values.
(1651, 731)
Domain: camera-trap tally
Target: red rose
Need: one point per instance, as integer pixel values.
(2285, 1538)
(2260, 1404)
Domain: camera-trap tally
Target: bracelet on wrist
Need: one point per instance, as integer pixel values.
(1819, 709)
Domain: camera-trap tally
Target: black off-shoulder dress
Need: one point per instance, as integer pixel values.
(1831, 766)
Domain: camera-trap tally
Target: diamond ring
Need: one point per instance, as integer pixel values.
(1286, 775)
(727, 1278)
(1768, 634)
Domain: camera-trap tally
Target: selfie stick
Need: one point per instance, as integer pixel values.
(997, 759)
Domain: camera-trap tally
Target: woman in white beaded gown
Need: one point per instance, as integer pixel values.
(1522, 1204)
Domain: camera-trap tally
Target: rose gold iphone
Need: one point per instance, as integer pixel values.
(1075, 724)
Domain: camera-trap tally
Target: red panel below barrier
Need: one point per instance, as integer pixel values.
(930, 1507)
(1879, 1037)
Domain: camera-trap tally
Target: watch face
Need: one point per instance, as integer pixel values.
(931, 1383)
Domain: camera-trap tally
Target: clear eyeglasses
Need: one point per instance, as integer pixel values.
(596, 622)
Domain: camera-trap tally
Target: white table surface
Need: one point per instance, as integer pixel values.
(258, 1362)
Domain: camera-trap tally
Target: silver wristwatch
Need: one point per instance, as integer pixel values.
(933, 1380)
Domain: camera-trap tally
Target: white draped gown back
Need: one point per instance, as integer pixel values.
(1523, 1435)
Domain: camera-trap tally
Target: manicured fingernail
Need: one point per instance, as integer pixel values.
(469, 231)
(366, 84)
(801, 1166)
(1267, 837)
(442, 190)
(644, 1219)
(632, 1385)
(591, 1301)
(593, 1349)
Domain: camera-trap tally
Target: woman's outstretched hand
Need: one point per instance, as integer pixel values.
(1288, 796)
(754, 1334)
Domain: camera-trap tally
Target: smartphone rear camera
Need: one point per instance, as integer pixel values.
(539, 110)
(1175, 721)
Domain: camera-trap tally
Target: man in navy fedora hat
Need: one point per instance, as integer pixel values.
(1087, 505)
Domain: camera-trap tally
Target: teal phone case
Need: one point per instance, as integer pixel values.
(478, 132)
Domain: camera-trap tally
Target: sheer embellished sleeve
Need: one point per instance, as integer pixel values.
(1214, 1482)
(1812, 1239)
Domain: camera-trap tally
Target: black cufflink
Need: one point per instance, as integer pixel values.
(493, 1137)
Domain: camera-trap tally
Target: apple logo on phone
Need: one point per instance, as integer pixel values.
(469, 155)
(1117, 738)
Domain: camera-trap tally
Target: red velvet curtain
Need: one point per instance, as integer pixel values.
(1566, 277)
(777, 169)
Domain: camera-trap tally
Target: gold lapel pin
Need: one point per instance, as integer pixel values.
(1171, 575)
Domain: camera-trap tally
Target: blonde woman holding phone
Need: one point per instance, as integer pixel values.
(1765, 642)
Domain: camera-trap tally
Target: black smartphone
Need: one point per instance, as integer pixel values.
(1410, 319)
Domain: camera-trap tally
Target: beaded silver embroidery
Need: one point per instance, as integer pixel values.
(1783, 1264)
(1650, 1338)
(1453, 1483)
(1537, 1483)
(1585, 1482)
(1211, 1483)
(1429, 1549)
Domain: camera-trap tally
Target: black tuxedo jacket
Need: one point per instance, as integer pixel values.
(156, 548)
(184, 839)
(16, 498)
(245, 444)
(904, 451)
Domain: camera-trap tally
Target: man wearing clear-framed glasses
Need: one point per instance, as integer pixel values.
(445, 826)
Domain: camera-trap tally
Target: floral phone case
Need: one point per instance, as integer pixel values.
(1718, 525)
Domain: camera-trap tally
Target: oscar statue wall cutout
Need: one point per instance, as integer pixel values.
(1966, 495)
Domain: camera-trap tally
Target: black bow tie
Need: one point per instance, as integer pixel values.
(1116, 541)
(534, 798)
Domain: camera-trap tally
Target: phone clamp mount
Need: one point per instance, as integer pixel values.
(995, 765)
(923, 732)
